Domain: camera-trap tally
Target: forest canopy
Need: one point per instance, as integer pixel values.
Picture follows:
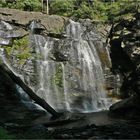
(105, 10)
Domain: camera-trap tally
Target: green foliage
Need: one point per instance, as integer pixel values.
(20, 49)
(21, 46)
(81, 9)
(106, 10)
(58, 78)
(27, 5)
(62, 7)
(4, 134)
(2, 3)
(84, 11)
(120, 9)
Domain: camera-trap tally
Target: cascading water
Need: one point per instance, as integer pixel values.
(5, 35)
(70, 71)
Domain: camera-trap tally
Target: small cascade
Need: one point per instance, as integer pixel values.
(47, 89)
(90, 80)
(65, 88)
(71, 75)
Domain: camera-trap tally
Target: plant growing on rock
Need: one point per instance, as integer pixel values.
(58, 78)
(62, 8)
(19, 49)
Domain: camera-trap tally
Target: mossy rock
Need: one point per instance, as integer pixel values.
(19, 49)
(58, 78)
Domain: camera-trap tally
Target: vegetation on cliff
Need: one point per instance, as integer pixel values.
(30, 5)
(19, 49)
(106, 10)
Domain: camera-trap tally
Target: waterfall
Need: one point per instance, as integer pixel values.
(76, 83)
(5, 37)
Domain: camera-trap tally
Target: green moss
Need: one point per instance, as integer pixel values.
(58, 78)
(59, 30)
(4, 134)
(20, 49)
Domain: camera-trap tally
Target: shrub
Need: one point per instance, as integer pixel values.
(62, 7)
(27, 5)
(84, 11)
(19, 49)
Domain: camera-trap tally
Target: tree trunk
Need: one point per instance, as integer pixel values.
(47, 4)
(42, 5)
(29, 91)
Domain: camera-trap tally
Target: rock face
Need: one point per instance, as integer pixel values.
(68, 63)
(125, 54)
(15, 106)
(14, 35)
(64, 51)
(52, 23)
(127, 108)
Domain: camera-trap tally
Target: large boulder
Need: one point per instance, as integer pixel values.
(52, 23)
(128, 108)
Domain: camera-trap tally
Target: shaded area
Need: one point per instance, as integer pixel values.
(125, 45)
(29, 91)
(104, 128)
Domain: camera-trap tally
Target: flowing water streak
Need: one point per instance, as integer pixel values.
(65, 86)
(46, 69)
(92, 73)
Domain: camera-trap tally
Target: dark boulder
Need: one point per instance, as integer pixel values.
(128, 108)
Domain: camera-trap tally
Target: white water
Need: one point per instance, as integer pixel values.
(25, 99)
(82, 76)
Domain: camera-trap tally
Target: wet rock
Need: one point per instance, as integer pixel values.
(58, 56)
(125, 53)
(128, 108)
(12, 34)
(40, 128)
(5, 42)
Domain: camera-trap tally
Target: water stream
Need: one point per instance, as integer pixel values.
(75, 84)
(69, 71)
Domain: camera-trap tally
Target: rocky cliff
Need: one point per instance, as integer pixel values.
(17, 108)
(125, 54)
